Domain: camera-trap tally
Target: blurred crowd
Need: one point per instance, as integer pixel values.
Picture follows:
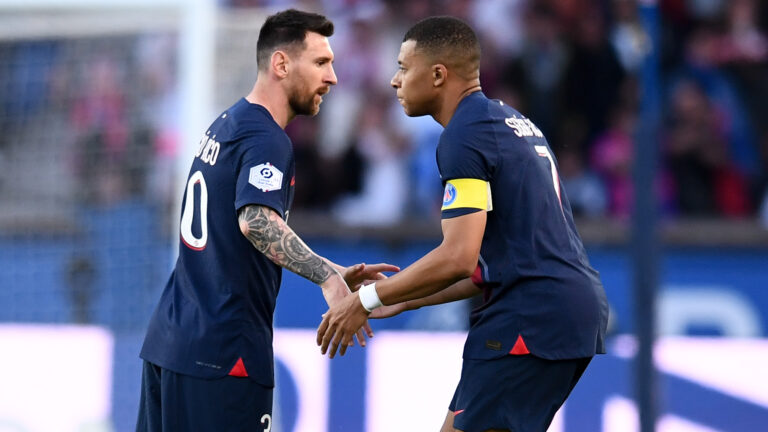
(572, 66)
(88, 122)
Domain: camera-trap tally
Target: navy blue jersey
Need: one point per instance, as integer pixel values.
(540, 293)
(218, 304)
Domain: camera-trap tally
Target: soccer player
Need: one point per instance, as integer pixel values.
(208, 361)
(508, 233)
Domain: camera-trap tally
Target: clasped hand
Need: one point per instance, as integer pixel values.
(346, 317)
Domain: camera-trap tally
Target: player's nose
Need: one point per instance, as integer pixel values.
(395, 81)
(331, 77)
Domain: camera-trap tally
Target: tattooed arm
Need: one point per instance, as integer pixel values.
(269, 233)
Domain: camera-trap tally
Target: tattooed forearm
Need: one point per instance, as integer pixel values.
(269, 233)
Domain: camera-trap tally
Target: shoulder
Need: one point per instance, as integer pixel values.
(249, 125)
(247, 118)
(474, 109)
(475, 123)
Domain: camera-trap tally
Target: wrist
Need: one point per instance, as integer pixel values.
(412, 305)
(368, 297)
(334, 280)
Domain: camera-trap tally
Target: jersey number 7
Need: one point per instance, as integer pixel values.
(543, 151)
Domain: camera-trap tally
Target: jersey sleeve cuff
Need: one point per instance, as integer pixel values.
(242, 203)
(456, 212)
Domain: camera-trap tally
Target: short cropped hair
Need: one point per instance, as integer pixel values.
(447, 40)
(288, 29)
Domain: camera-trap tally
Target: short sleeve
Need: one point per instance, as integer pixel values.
(263, 172)
(465, 164)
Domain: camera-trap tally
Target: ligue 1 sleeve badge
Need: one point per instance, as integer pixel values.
(266, 177)
(450, 194)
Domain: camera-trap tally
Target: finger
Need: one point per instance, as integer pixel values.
(346, 342)
(382, 267)
(335, 344)
(357, 269)
(327, 338)
(360, 338)
(326, 343)
(322, 329)
(368, 329)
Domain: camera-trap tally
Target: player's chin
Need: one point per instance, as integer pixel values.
(314, 109)
(411, 111)
(308, 109)
(405, 106)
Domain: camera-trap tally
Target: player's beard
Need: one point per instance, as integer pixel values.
(302, 101)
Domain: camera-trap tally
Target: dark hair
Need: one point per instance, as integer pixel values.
(288, 27)
(447, 39)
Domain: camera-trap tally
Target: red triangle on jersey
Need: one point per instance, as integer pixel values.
(519, 348)
(238, 369)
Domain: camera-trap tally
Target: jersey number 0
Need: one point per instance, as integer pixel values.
(189, 239)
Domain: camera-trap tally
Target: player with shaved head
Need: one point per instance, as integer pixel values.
(508, 235)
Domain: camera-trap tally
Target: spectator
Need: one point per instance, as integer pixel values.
(594, 76)
(583, 187)
(612, 156)
(701, 64)
(628, 37)
(385, 180)
(100, 121)
(543, 61)
(706, 181)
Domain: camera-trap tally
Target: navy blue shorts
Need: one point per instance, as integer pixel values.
(517, 393)
(172, 402)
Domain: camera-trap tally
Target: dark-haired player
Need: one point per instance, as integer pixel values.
(208, 350)
(508, 233)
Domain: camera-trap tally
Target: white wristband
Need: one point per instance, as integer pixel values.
(368, 297)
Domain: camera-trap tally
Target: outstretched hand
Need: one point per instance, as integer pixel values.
(357, 274)
(339, 304)
(335, 290)
(342, 321)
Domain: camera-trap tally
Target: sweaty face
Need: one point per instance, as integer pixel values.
(311, 75)
(414, 81)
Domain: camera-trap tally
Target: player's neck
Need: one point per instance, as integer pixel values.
(451, 100)
(272, 97)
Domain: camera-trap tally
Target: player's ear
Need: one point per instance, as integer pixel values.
(439, 74)
(279, 62)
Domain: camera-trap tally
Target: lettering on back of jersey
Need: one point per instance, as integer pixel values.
(523, 127)
(266, 177)
(208, 150)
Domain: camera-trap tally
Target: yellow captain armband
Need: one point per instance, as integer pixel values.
(467, 193)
